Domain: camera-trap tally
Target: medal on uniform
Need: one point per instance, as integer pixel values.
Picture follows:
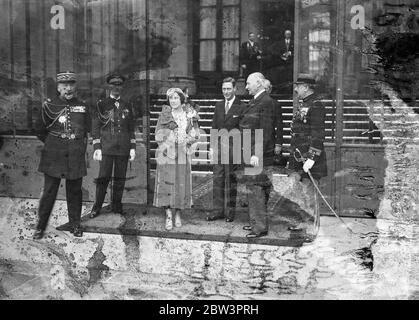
(62, 119)
(73, 136)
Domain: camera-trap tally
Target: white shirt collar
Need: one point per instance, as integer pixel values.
(230, 102)
(258, 94)
(113, 97)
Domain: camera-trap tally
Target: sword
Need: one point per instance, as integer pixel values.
(301, 159)
(327, 203)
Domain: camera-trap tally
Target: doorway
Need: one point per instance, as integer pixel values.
(277, 65)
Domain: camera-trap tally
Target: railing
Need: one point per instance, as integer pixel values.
(358, 128)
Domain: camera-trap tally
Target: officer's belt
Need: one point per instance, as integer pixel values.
(69, 136)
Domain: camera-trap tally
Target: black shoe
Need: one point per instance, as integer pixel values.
(94, 213)
(247, 228)
(117, 208)
(256, 235)
(39, 234)
(78, 232)
(213, 218)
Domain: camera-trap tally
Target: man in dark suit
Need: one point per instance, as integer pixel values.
(258, 114)
(250, 55)
(226, 123)
(277, 123)
(65, 122)
(287, 47)
(114, 143)
(278, 62)
(287, 60)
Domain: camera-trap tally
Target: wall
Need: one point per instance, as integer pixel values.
(19, 176)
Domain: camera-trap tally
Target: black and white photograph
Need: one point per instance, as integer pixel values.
(228, 151)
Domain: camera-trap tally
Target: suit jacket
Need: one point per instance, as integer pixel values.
(259, 114)
(248, 53)
(284, 48)
(228, 121)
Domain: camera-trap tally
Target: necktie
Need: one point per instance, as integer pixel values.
(227, 106)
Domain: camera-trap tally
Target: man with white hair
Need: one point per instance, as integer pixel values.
(258, 114)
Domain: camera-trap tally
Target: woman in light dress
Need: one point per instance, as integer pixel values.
(176, 132)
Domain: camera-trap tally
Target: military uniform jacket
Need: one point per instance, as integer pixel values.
(113, 127)
(308, 135)
(63, 128)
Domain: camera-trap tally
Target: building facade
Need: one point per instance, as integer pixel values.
(350, 46)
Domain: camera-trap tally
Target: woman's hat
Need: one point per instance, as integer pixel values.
(174, 90)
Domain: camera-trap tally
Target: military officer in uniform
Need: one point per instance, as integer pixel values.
(307, 137)
(308, 131)
(65, 122)
(113, 142)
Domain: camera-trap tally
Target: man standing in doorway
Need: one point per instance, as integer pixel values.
(250, 56)
(114, 143)
(226, 118)
(287, 51)
(65, 122)
(287, 57)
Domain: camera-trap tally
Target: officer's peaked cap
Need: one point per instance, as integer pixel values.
(115, 79)
(305, 78)
(66, 76)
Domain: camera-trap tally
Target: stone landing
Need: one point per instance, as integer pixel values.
(380, 261)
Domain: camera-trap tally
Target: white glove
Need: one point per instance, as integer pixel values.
(254, 161)
(132, 155)
(308, 165)
(97, 155)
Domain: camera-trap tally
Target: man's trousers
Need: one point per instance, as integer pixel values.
(119, 166)
(73, 197)
(258, 189)
(224, 181)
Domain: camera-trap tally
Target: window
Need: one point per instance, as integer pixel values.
(219, 37)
